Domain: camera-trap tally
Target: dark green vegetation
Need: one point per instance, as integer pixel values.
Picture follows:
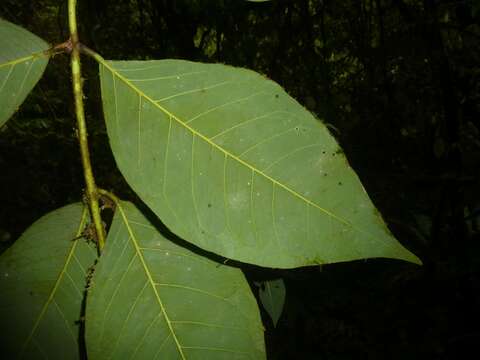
(396, 81)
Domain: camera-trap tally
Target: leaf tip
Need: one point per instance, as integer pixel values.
(407, 255)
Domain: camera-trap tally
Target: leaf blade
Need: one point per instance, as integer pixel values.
(151, 298)
(267, 157)
(42, 283)
(22, 62)
(272, 295)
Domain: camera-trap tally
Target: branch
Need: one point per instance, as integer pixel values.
(91, 189)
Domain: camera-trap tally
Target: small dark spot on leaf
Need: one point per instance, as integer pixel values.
(202, 231)
(31, 293)
(323, 152)
(339, 183)
(276, 96)
(209, 205)
(339, 151)
(325, 174)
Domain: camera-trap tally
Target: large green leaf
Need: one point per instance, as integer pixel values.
(152, 299)
(233, 164)
(42, 283)
(22, 63)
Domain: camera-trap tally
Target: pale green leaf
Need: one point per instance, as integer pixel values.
(233, 164)
(152, 299)
(42, 283)
(22, 63)
(272, 296)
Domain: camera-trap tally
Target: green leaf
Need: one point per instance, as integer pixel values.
(152, 299)
(22, 63)
(233, 164)
(272, 296)
(42, 283)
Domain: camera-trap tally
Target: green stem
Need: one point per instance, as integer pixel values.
(91, 188)
(110, 195)
(87, 51)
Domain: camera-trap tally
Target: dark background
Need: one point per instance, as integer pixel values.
(396, 81)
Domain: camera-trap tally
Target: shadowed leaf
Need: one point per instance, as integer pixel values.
(272, 296)
(42, 283)
(22, 63)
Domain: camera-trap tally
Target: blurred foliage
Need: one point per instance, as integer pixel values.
(398, 83)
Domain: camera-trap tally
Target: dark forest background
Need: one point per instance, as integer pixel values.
(398, 84)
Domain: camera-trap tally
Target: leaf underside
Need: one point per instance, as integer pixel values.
(152, 299)
(272, 296)
(42, 283)
(231, 163)
(22, 63)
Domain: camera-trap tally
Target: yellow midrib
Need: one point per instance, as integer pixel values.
(26, 58)
(81, 225)
(226, 152)
(150, 279)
